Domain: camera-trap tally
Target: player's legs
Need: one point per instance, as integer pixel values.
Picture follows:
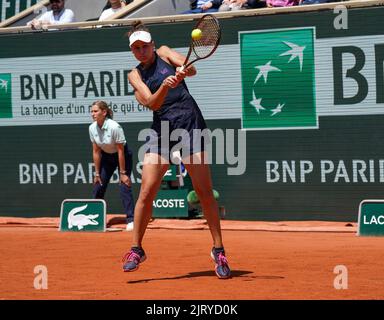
(153, 172)
(154, 168)
(201, 179)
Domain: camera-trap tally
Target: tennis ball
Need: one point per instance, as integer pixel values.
(196, 34)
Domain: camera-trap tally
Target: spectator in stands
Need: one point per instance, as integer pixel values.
(234, 5)
(124, 3)
(282, 3)
(204, 6)
(57, 15)
(303, 2)
(111, 8)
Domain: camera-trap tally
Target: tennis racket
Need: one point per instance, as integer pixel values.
(207, 44)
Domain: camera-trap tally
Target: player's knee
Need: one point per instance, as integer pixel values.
(147, 195)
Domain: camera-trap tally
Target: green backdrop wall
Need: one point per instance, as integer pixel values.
(313, 126)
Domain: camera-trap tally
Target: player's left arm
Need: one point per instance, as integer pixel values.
(177, 60)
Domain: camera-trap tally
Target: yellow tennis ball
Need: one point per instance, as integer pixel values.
(196, 34)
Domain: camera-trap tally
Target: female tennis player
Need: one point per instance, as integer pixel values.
(158, 81)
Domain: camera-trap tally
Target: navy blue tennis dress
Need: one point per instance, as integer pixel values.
(179, 110)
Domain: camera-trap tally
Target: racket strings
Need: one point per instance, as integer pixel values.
(210, 37)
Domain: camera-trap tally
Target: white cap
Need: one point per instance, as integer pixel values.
(140, 35)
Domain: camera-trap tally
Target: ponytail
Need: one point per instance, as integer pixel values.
(137, 25)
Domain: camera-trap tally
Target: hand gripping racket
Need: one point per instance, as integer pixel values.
(207, 44)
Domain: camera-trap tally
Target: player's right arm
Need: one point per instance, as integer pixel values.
(144, 96)
(96, 153)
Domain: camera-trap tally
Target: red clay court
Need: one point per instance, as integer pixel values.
(269, 260)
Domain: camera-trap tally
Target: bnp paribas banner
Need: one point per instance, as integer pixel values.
(290, 79)
(9, 8)
(276, 79)
(61, 89)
